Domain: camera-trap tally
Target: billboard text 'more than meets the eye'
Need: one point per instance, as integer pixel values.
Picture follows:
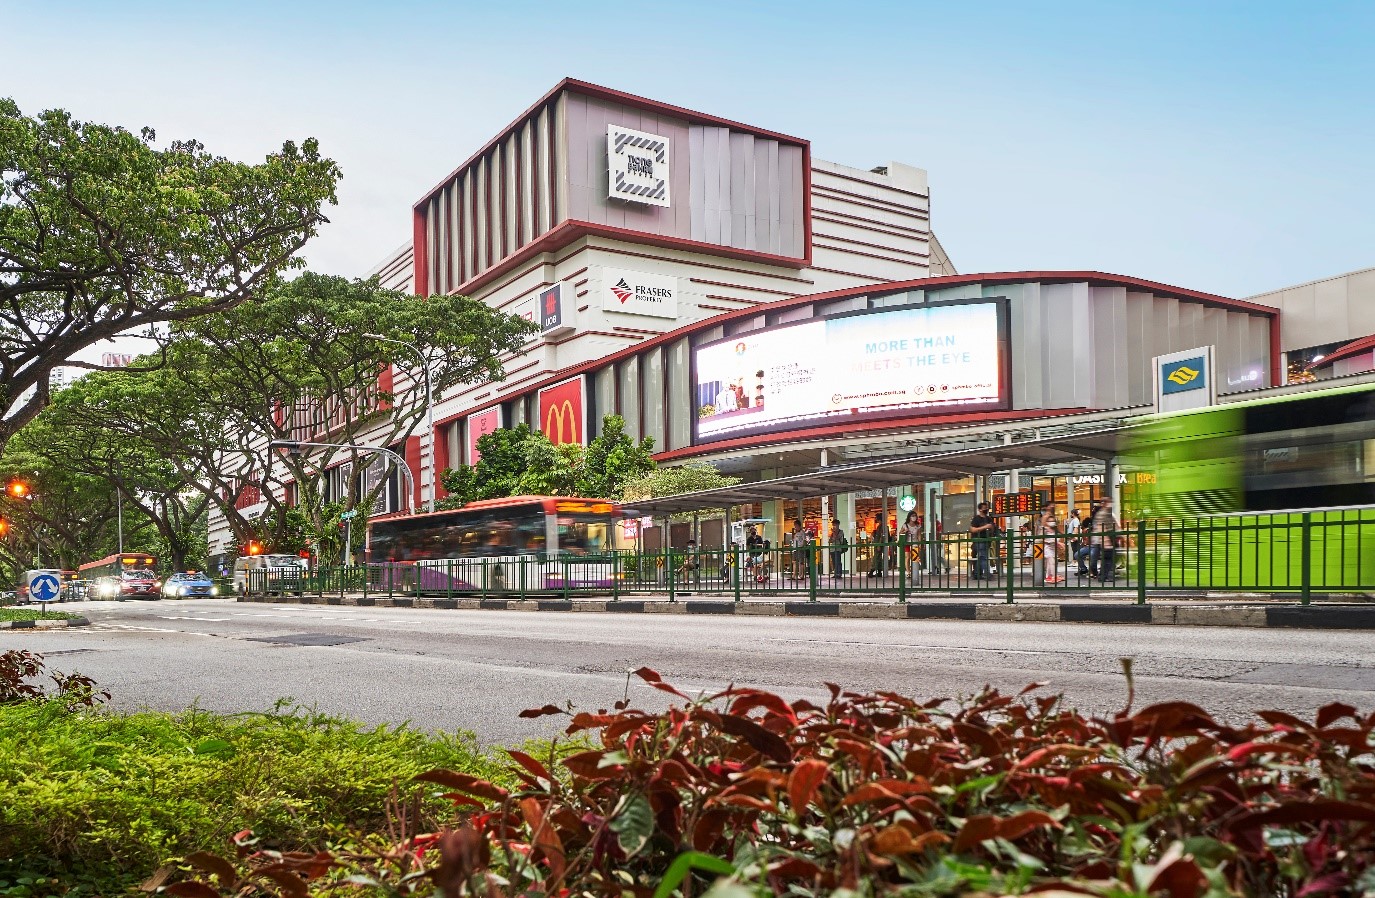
(934, 358)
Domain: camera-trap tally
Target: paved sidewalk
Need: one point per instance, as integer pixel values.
(1120, 608)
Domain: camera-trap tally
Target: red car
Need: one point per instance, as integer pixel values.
(130, 585)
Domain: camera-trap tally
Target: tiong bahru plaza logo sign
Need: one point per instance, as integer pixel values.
(638, 293)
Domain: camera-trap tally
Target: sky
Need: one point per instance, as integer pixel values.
(1225, 147)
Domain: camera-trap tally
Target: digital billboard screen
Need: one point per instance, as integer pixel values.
(940, 358)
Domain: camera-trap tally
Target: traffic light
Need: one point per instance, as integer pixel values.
(4, 528)
(253, 548)
(17, 489)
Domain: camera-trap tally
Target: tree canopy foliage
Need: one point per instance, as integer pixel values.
(101, 233)
(293, 365)
(519, 461)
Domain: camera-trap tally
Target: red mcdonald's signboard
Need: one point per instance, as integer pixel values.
(561, 416)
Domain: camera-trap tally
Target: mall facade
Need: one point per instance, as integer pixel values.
(744, 304)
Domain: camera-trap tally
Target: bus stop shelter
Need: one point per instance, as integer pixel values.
(1104, 445)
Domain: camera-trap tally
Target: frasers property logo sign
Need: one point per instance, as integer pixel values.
(637, 166)
(637, 293)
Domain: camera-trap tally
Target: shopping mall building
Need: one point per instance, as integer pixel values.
(745, 304)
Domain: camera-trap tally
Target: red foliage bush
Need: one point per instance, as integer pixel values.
(881, 794)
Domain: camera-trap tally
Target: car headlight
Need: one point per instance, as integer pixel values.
(214, 590)
(108, 589)
(183, 591)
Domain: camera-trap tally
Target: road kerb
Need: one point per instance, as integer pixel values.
(44, 623)
(1350, 616)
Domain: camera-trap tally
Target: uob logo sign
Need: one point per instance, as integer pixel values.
(561, 412)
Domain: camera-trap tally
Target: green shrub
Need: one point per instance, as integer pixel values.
(35, 614)
(106, 798)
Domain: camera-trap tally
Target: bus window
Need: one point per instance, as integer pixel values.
(581, 534)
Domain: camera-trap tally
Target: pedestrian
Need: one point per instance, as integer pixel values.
(798, 540)
(1050, 545)
(911, 537)
(1083, 555)
(1072, 525)
(1105, 542)
(982, 531)
(839, 547)
(880, 553)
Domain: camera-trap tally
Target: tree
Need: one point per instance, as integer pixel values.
(613, 459)
(297, 365)
(102, 234)
(694, 477)
(520, 461)
(152, 487)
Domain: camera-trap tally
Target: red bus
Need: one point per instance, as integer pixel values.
(122, 575)
(524, 542)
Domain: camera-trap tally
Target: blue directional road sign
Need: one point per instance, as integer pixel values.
(45, 587)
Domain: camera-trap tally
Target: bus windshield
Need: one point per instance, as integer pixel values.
(584, 533)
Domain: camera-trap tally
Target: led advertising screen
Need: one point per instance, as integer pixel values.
(937, 358)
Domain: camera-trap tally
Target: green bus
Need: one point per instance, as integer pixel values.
(1273, 493)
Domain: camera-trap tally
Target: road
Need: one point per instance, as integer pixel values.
(475, 670)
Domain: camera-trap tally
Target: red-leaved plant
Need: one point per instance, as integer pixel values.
(880, 794)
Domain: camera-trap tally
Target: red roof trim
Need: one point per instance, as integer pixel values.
(1355, 347)
(1095, 278)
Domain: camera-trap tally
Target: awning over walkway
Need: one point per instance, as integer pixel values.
(993, 459)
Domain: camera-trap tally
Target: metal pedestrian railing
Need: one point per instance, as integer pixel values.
(1301, 553)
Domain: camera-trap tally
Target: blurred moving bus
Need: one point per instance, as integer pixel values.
(519, 544)
(1242, 483)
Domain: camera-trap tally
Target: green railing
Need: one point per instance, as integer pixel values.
(1299, 553)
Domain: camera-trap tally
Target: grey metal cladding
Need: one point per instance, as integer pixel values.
(1076, 345)
(745, 191)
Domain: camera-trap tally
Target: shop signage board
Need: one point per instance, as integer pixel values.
(638, 166)
(479, 425)
(936, 358)
(638, 293)
(561, 412)
(553, 320)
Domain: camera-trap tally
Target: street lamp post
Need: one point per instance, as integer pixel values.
(296, 445)
(429, 411)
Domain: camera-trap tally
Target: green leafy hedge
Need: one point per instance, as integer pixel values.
(105, 799)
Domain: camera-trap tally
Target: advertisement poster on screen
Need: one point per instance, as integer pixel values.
(479, 425)
(937, 358)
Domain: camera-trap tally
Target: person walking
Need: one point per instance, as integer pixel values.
(1104, 537)
(1050, 544)
(881, 540)
(797, 540)
(1083, 555)
(911, 536)
(839, 547)
(982, 531)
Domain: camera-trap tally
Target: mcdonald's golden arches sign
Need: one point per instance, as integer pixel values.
(561, 412)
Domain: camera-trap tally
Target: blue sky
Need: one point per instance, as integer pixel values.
(1226, 147)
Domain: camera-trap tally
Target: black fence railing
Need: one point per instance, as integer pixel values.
(1300, 553)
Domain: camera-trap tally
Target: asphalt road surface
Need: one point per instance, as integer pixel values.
(476, 670)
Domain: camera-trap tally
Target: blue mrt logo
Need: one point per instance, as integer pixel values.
(1182, 376)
